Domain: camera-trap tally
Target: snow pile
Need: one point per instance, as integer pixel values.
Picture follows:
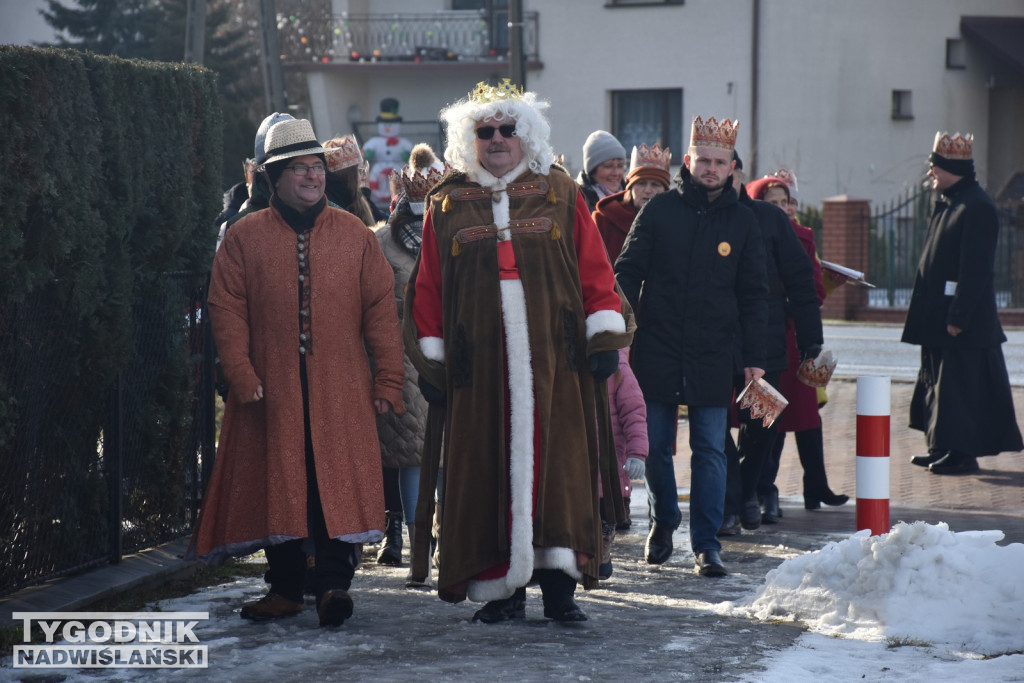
(918, 584)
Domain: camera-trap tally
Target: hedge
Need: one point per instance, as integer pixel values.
(111, 173)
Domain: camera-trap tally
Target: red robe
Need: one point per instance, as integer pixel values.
(614, 217)
(802, 412)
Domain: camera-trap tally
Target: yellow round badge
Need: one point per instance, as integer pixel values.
(724, 248)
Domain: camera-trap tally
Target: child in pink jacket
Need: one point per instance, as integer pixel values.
(629, 427)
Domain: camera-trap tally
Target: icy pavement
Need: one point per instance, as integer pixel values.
(656, 622)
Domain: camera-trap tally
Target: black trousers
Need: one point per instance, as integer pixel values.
(745, 459)
(335, 560)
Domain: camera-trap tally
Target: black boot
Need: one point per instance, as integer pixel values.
(934, 455)
(503, 610)
(810, 446)
(625, 524)
(391, 552)
(770, 507)
(557, 589)
(604, 571)
(955, 463)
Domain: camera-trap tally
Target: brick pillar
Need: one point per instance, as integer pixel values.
(845, 227)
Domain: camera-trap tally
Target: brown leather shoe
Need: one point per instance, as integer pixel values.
(335, 607)
(271, 606)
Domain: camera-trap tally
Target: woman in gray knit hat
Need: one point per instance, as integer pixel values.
(604, 166)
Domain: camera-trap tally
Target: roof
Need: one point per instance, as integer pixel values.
(1003, 36)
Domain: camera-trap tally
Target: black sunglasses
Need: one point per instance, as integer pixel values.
(487, 132)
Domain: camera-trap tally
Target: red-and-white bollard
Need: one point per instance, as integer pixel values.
(873, 454)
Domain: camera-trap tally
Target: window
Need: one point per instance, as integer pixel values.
(901, 105)
(956, 54)
(649, 116)
(496, 12)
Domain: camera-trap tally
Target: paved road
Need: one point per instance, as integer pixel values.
(876, 350)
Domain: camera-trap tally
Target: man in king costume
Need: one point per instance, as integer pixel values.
(512, 316)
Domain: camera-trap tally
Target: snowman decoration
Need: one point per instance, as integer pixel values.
(386, 152)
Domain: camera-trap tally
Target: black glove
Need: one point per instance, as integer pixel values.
(430, 392)
(603, 364)
(812, 351)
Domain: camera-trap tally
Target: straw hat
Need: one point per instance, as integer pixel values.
(289, 139)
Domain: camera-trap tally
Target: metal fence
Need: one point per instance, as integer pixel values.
(445, 35)
(896, 238)
(91, 472)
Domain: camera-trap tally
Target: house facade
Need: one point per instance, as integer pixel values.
(848, 95)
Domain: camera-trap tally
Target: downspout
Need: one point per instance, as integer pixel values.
(755, 40)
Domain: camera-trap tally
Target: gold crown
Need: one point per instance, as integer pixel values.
(954, 146)
(417, 184)
(342, 153)
(786, 176)
(711, 133)
(653, 156)
(484, 93)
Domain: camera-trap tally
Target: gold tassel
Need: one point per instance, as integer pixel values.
(455, 242)
(446, 205)
(552, 199)
(556, 234)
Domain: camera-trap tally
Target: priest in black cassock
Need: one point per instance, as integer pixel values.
(962, 400)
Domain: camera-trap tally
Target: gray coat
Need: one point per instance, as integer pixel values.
(401, 436)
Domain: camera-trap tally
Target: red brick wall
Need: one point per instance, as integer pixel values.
(845, 224)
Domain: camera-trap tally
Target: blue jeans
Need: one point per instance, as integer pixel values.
(409, 483)
(707, 470)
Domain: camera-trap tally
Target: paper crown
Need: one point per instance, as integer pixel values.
(816, 372)
(506, 90)
(711, 133)
(786, 176)
(954, 146)
(417, 183)
(342, 153)
(764, 402)
(653, 156)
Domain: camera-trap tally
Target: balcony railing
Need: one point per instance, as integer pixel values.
(446, 35)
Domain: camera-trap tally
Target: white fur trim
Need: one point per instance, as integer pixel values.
(558, 558)
(521, 400)
(521, 403)
(478, 174)
(501, 215)
(604, 321)
(491, 589)
(432, 348)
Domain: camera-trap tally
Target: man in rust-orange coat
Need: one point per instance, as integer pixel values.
(299, 290)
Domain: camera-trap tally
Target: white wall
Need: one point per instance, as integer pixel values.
(589, 50)
(827, 69)
(827, 86)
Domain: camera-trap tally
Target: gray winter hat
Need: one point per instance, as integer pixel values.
(261, 135)
(599, 148)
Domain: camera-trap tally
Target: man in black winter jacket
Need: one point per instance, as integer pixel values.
(693, 268)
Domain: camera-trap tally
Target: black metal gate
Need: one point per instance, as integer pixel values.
(91, 472)
(896, 238)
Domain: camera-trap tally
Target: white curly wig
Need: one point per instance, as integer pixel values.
(532, 129)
